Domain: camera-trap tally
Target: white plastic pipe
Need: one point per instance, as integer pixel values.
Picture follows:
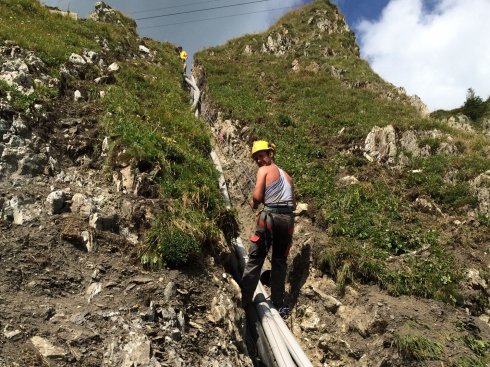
(221, 182)
(294, 348)
(196, 92)
(276, 341)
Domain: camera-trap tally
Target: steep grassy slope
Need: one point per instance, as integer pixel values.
(303, 86)
(144, 110)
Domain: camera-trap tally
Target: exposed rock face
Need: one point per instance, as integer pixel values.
(104, 13)
(23, 70)
(417, 102)
(385, 146)
(380, 144)
(247, 50)
(460, 122)
(278, 44)
(481, 187)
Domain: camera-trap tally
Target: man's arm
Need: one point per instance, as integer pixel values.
(293, 189)
(258, 194)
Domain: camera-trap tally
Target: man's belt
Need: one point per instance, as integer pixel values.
(284, 209)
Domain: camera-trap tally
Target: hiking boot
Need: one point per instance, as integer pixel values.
(284, 312)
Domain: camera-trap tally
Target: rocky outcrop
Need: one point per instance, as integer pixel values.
(460, 122)
(22, 70)
(104, 13)
(278, 43)
(385, 145)
(380, 145)
(481, 187)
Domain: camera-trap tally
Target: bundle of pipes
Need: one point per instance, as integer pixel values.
(286, 350)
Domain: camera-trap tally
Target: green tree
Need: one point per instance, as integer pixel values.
(474, 107)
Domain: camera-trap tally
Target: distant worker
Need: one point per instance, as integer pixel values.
(183, 58)
(275, 226)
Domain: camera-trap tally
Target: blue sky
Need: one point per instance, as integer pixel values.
(436, 49)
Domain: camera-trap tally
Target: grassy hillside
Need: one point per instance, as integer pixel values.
(319, 116)
(145, 112)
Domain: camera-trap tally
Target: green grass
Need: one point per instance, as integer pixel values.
(303, 113)
(159, 128)
(54, 37)
(417, 348)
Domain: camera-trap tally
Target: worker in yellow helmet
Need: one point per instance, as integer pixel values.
(182, 56)
(275, 226)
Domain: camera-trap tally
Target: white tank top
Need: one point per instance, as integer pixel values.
(279, 192)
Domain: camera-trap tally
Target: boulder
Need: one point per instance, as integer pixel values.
(380, 144)
(100, 222)
(82, 205)
(481, 188)
(77, 59)
(56, 201)
(144, 49)
(114, 67)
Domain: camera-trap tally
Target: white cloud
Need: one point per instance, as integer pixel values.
(436, 51)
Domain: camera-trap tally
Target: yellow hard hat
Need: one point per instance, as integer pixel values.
(260, 145)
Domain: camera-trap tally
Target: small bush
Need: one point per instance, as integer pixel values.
(473, 107)
(417, 347)
(478, 346)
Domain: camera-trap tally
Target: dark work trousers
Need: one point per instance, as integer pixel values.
(276, 231)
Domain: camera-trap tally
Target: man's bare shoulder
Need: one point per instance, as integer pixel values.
(263, 170)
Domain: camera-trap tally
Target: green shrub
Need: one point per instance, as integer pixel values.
(171, 243)
(417, 347)
(473, 107)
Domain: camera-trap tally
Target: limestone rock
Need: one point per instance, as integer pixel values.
(91, 57)
(380, 144)
(77, 59)
(104, 13)
(348, 181)
(311, 320)
(247, 50)
(144, 49)
(460, 122)
(426, 206)
(475, 280)
(170, 291)
(301, 208)
(92, 290)
(278, 44)
(419, 105)
(77, 96)
(104, 222)
(114, 67)
(295, 65)
(82, 205)
(55, 202)
(46, 349)
(481, 187)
